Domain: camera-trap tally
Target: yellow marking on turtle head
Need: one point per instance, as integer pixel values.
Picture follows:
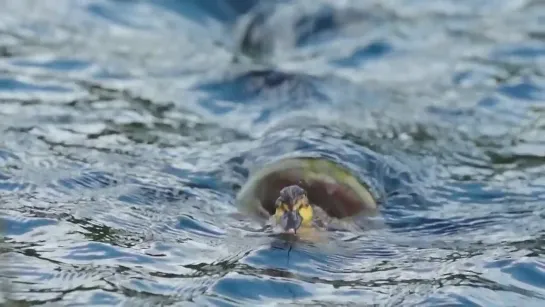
(293, 209)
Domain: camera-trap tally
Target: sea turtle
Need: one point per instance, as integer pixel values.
(300, 193)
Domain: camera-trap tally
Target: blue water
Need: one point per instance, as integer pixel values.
(128, 127)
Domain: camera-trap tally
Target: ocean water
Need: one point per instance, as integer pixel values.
(128, 127)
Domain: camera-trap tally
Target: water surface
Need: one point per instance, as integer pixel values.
(127, 128)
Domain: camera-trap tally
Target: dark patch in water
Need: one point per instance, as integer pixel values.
(258, 83)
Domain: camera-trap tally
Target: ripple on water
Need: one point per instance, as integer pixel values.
(53, 64)
(525, 273)
(252, 289)
(26, 89)
(21, 226)
(127, 129)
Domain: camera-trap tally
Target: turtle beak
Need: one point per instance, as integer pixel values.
(291, 221)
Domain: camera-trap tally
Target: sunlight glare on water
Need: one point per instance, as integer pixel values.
(128, 127)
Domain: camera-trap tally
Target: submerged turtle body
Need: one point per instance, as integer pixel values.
(330, 188)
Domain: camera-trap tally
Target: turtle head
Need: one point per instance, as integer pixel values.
(293, 209)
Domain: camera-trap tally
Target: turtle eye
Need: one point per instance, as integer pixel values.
(278, 203)
(303, 204)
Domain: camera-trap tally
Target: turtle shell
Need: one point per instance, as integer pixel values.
(328, 185)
